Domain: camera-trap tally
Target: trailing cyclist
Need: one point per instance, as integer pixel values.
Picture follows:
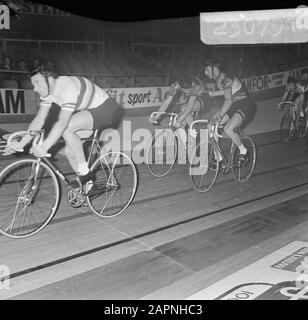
(294, 92)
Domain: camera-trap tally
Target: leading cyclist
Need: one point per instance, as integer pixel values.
(84, 106)
(238, 108)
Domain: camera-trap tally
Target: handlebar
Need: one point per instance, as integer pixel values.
(290, 103)
(214, 126)
(173, 116)
(37, 134)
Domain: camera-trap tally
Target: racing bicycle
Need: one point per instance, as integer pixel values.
(30, 188)
(205, 164)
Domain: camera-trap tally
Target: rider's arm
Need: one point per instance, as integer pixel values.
(215, 93)
(228, 101)
(188, 109)
(37, 123)
(165, 104)
(58, 128)
(285, 94)
(170, 95)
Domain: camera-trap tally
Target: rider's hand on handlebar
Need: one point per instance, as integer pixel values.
(154, 119)
(216, 118)
(13, 147)
(279, 106)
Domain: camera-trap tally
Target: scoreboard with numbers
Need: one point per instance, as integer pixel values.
(253, 27)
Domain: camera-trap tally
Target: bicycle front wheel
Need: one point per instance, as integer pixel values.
(286, 127)
(302, 127)
(204, 167)
(115, 184)
(29, 197)
(242, 171)
(162, 153)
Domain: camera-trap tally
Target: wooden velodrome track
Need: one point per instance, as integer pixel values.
(172, 241)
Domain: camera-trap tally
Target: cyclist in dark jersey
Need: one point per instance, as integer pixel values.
(190, 93)
(294, 93)
(238, 108)
(304, 78)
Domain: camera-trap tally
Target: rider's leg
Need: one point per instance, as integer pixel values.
(79, 121)
(235, 122)
(71, 158)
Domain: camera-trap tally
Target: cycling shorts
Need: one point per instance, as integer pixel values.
(245, 107)
(106, 114)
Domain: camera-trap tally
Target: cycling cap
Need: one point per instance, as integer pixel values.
(211, 62)
(186, 82)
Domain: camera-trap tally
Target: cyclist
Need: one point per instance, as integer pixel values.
(84, 106)
(238, 108)
(304, 78)
(294, 93)
(188, 90)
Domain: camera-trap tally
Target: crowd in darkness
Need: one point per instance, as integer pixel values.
(8, 64)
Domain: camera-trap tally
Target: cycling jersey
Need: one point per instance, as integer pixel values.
(293, 94)
(75, 93)
(225, 82)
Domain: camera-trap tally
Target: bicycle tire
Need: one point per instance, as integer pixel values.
(38, 199)
(242, 173)
(107, 177)
(167, 154)
(211, 168)
(286, 127)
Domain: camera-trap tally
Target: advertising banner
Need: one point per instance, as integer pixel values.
(282, 275)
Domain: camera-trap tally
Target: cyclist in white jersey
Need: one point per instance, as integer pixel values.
(238, 108)
(84, 106)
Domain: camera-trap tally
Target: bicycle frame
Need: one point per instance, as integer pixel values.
(213, 132)
(39, 135)
(290, 105)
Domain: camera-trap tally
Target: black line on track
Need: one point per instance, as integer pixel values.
(141, 201)
(126, 240)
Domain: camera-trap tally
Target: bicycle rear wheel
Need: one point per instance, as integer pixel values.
(162, 153)
(242, 171)
(115, 184)
(29, 198)
(204, 170)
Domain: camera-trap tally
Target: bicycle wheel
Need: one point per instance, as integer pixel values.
(29, 198)
(287, 128)
(115, 178)
(204, 171)
(302, 127)
(242, 171)
(162, 153)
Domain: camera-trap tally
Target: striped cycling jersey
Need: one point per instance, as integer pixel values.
(225, 82)
(75, 93)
